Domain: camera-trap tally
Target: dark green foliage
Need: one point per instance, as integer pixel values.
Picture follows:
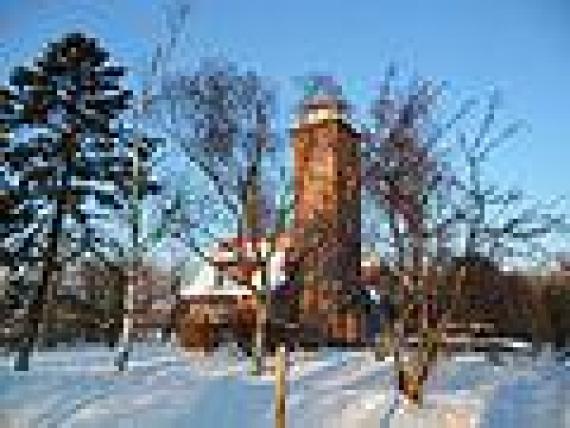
(66, 160)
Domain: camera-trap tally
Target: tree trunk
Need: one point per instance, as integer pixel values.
(259, 346)
(134, 271)
(40, 313)
(398, 293)
(422, 317)
(251, 229)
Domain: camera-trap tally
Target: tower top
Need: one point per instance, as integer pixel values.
(320, 109)
(322, 102)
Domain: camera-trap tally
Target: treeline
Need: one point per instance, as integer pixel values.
(479, 298)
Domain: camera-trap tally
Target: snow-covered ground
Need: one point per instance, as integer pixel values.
(165, 387)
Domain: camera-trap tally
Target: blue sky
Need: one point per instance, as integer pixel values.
(518, 46)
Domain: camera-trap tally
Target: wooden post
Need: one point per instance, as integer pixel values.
(259, 344)
(280, 385)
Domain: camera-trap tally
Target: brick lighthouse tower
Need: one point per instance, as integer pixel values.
(327, 202)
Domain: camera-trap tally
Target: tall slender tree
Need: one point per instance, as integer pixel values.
(141, 241)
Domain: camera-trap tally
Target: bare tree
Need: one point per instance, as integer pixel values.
(141, 242)
(403, 172)
(221, 121)
(502, 224)
(412, 171)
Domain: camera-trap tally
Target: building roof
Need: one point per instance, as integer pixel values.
(321, 108)
(236, 267)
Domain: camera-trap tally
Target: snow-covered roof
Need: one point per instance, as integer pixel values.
(216, 278)
(246, 259)
(206, 283)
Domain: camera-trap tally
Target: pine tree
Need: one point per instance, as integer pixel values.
(65, 163)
